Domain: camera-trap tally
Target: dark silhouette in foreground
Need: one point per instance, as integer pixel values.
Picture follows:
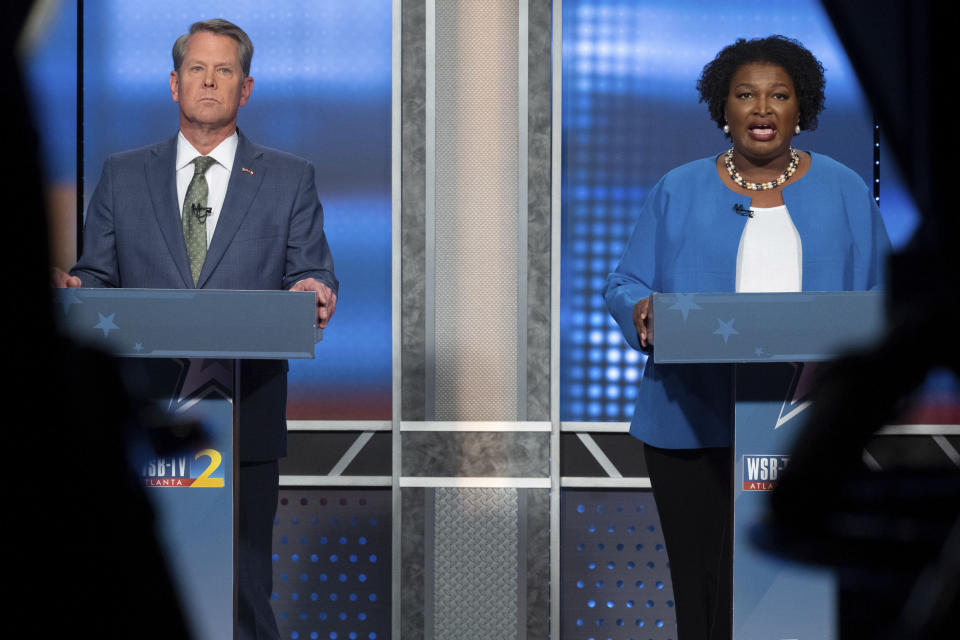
(893, 537)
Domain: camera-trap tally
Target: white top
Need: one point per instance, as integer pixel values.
(770, 253)
(218, 175)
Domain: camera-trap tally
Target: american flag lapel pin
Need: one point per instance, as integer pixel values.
(250, 171)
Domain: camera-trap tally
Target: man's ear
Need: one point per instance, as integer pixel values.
(245, 90)
(175, 86)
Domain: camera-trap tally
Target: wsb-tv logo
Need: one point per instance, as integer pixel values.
(760, 473)
(180, 471)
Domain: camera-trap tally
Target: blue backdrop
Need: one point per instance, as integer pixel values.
(322, 70)
(630, 114)
(322, 76)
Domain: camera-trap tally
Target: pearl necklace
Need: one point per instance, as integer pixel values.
(761, 186)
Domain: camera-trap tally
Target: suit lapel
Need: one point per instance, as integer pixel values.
(245, 180)
(161, 181)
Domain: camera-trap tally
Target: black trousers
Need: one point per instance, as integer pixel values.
(259, 490)
(693, 492)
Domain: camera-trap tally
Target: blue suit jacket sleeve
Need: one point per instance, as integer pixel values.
(635, 277)
(871, 243)
(98, 265)
(308, 254)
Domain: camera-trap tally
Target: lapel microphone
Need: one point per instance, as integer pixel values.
(201, 212)
(741, 210)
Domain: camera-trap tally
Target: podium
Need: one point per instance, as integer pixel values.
(183, 346)
(773, 340)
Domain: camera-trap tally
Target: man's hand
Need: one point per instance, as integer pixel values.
(643, 321)
(60, 279)
(326, 299)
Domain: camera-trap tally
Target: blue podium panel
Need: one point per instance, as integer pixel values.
(179, 348)
(763, 327)
(768, 337)
(184, 323)
(772, 598)
(192, 496)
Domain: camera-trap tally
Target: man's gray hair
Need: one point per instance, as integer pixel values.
(221, 28)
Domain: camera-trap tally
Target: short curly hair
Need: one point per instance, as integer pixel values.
(804, 69)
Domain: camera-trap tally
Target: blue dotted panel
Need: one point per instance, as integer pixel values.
(615, 577)
(331, 563)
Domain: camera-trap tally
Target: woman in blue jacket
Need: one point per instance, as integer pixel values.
(761, 217)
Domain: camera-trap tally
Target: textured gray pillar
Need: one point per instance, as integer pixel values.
(476, 210)
(413, 207)
(474, 303)
(538, 210)
(413, 230)
(475, 565)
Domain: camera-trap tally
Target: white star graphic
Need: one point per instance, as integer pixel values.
(685, 304)
(106, 323)
(725, 329)
(138, 347)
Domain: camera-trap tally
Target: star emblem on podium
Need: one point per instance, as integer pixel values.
(106, 324)
(725, 329)
(685, 305)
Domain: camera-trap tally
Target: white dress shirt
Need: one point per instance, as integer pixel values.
(218, 175)
(769, 257)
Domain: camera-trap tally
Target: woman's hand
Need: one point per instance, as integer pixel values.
(643, 321)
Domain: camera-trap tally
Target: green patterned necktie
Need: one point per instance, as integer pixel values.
(195, 214)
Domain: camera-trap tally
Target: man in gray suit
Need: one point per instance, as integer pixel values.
(210, 209)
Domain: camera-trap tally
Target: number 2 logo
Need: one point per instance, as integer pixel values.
(204, 479)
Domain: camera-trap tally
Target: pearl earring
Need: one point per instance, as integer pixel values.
(726, 128)
(796, 130)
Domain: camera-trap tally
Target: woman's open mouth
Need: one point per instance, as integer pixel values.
(762, 131)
